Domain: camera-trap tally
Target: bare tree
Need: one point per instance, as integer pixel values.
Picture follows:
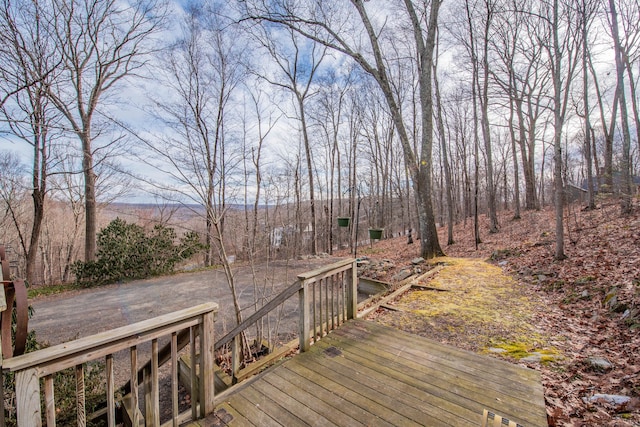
(194, 152)
(619, 53)
(563, 56)
(101, 43)
(29, 114)
(445, 158)
(330, 27)
(587, 12)
(298, 63)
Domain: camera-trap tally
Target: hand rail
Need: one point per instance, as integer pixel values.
(327, 297)
(29, 368)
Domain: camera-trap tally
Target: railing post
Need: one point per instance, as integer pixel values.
(352, 291)
(28, 398)
(207, 367)
(305, 322)
(2, 423)
(236, 353)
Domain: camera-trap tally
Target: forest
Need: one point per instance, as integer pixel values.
(257, 124)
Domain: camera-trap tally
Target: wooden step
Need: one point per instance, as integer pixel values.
(222, 380)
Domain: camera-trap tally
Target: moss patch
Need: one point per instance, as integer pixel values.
(476, 307)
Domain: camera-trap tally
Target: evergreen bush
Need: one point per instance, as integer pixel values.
(127, 252)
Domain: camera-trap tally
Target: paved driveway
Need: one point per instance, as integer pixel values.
(63, 317)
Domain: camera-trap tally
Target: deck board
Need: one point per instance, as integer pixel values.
(368, 374)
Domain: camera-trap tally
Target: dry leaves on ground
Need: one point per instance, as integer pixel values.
(586, 307)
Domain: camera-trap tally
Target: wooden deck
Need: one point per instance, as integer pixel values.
(365, 374)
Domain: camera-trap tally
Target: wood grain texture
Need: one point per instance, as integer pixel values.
(367, 374)
(28, 398)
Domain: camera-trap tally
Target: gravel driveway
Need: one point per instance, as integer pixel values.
(63, 317)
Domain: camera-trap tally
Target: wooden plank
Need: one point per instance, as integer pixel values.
(522, 397)
(447, 367)
(364, 313)
(194, 387)
(174, 379)
(207, 364)
(439, 402)
(364, 373)
(28, 398)
(327, 398)
(133, 397)
(300, 410)
(80, 397)
(305, 319)
(135, 333)
(452, 357)
(378, 390)
(264, 362)
(378, 404)
(352, 292)
(327, 270)
(262, 311)
(224, 410)
(328, 412)
(111, 403)
(249, 411)
(50, 401)
(155, 385)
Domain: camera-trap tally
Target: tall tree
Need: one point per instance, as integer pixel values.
(100, 44)
(587, 11)
(487, 16)
(564, 54)
(29, 114)
(625, 185)
(202, 71)
(298, 61)
(445, 157)
(331, 24)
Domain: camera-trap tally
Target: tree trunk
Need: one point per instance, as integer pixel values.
(516, 175)
(587, 124)
(486, 131)
(307, 151)
(626, 203)
(558, 123)
(445, 160)
(91, 210)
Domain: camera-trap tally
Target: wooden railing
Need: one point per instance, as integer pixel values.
(327, 297)
(31, 367)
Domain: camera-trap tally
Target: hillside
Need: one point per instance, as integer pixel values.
(585, 308)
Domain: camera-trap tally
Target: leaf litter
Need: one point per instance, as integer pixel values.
(510, 299)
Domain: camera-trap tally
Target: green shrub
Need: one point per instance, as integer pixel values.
(126, 252)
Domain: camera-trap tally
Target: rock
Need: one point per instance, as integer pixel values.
(503, 263)
(533, 358)
(542, 277)
(497, 350)
(417, 261)
(613, 399)
(585, 294)
(402, 274)
(536, 357)
(599, 363)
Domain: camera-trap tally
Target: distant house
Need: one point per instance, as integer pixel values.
(573, 193)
